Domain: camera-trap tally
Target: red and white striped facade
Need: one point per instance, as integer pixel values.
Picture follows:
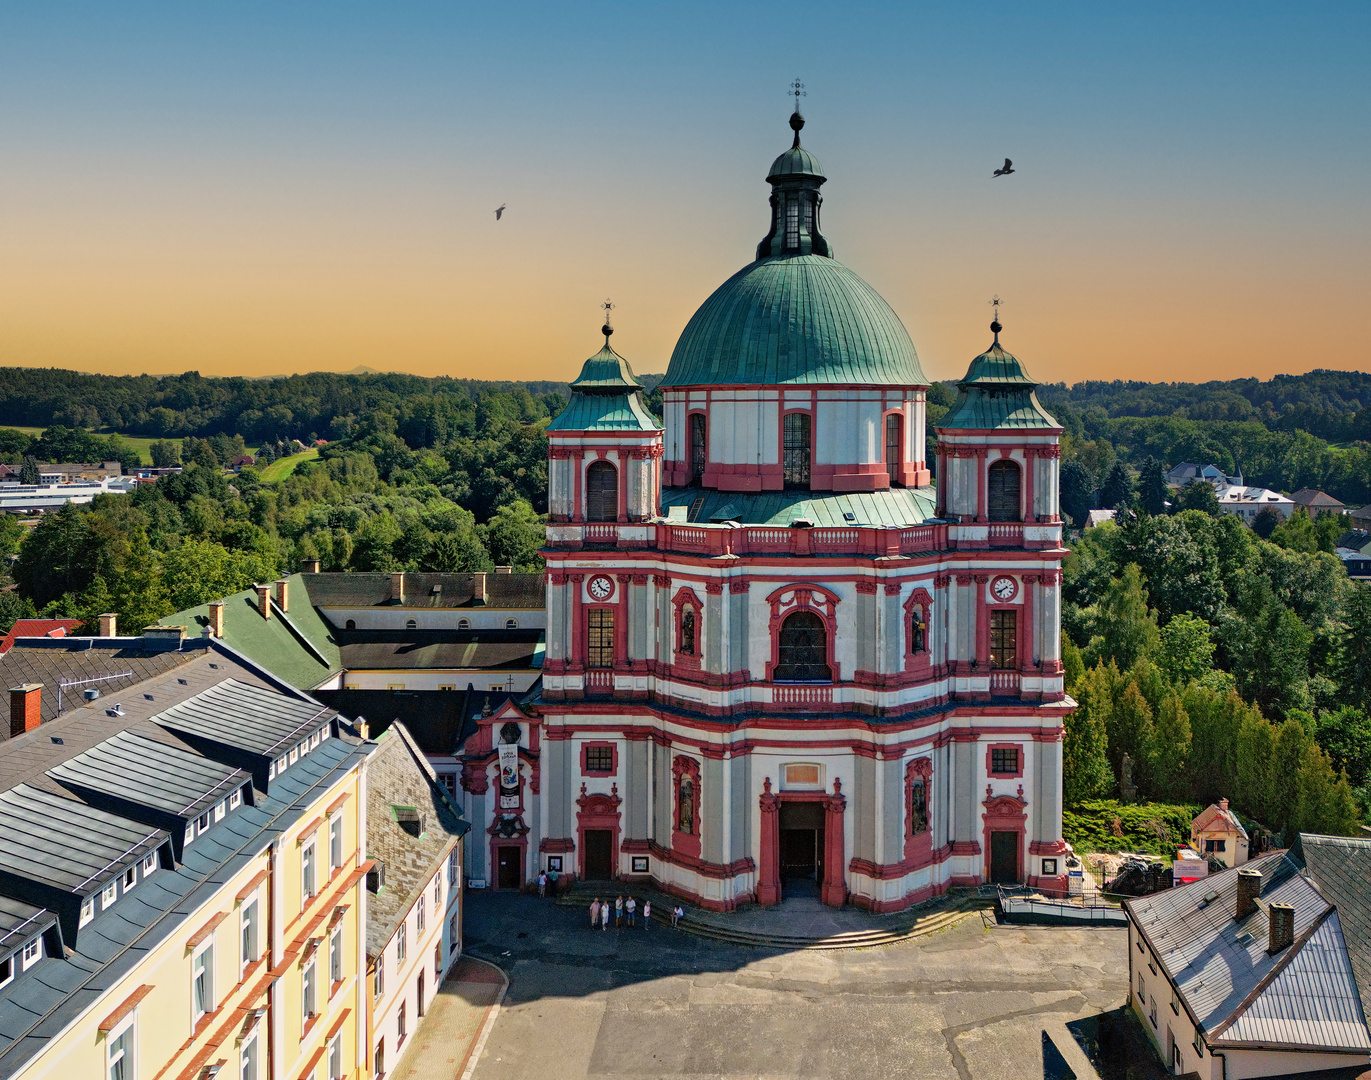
(608, 747)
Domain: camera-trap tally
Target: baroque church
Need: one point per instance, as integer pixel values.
(779, 660)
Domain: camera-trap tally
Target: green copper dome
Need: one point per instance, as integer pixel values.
(797, 161)
(606, 396)
(996, 392)
(794, 319)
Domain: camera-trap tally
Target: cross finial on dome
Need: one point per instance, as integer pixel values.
(607, 329)
(995, 326)
(796, 120)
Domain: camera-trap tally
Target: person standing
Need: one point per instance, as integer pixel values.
(618, 911)
(604, 915)
(552, 876)
(632, 908)
(647, 913)
(594, 912)
(542, 884)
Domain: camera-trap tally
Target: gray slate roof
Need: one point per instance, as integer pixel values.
(454, 590)
(1305, 996)
(51, 661)
(241, 714)
(1341, 867)
(492, 650)
(398, 775)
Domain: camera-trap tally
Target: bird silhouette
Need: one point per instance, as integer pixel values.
(1008, 168)
(501, 210)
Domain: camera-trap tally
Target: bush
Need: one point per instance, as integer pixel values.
(1147, 828)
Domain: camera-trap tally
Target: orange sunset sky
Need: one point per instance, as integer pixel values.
(239, 190)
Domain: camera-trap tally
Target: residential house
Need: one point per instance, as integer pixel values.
(414, 916)
(1217, 833)
(1099, 517)
(1248, 502)
(1260, 970)
(1316, 502)
(181, 877)
(1361, 518)
(1186, 471)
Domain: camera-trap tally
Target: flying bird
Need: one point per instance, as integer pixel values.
(1008, 168)
(501, 210)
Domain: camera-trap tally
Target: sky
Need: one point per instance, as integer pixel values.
(267, 188)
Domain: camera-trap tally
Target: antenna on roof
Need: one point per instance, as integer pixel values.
(796, 120)
(995, 326)
(608, 327)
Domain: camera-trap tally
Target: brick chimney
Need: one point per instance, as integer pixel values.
(309, 566)
(1223, 804)
(109, 624)
(478, 586)
(263, 600)
(283, 593)
(1249, 888)
(216, 619)
(1281, 932)
(397, 587)
(504, 569)
(26, 705)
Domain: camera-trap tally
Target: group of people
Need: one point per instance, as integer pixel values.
(600, 911)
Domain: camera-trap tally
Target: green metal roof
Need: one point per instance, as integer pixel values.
(604, 412)
(891, 507)
(797, 161)
(794, 319)
(996, 392)
(270, 642)
(606, 371)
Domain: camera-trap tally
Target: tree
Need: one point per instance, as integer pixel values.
(1073, 666)
(1086, 773)
(1077, 486)
(1345, 736)
(1198, 495)
(1266, 522)
(1179, 558)
(1132, 732)
(1125, 628)
(200, 571)
(1117, 492)
(1152, 489)
(514, 536)
(376, 544)
(1324, 802)
(165, 454)
(1352, 655)
(1297, 534)
(199, 452)
(1287, 754)
(1187, 651)
(457, 552)
(28, 471)
(1255, 748)
(1171, 750)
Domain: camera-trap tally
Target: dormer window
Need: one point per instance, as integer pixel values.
(87, 910)
(130, 878)
(6, 970)
(108, 895)
(33, 952)
(150, 864)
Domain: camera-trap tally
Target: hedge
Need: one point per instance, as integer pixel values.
(1147, 828)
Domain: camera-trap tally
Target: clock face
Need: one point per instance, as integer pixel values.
(1004, 588)
(601, 588)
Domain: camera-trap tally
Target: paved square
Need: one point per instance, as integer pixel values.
(968, 1003)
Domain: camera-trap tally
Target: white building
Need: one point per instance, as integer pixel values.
(1247, 502)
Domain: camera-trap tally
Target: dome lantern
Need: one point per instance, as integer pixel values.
(795, 178)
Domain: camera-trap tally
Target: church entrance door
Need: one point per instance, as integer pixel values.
(802, 847)
(510, 867)
(599, 858)
(1004, 858)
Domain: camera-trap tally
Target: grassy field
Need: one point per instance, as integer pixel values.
(279, 470)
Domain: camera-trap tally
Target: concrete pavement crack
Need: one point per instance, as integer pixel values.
(1073, 1004)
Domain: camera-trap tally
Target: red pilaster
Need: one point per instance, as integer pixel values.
(769, 873)
(834, 891)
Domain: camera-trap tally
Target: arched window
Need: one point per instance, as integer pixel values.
(1003, 492)
(686, 638)
(685, 806)
(351, 624)
(411, 624)
(511, 624)
(796, 447)
(894, 444)
(463, 624)
(699, 447)
(602, 492)
(803, 649)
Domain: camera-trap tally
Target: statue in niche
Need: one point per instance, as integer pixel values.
(687, 805)
(688, 632)
(918, 807)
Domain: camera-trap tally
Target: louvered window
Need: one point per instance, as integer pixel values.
(600, 638)
(1004, 626)
(698, 447)
(803, 649)
(1003, 495)
(602, 492)
(796, 450)
(893, 423)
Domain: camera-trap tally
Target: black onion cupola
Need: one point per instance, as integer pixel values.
(795, 179)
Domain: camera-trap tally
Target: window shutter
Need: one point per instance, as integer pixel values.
(602, 492)
(1003, 492)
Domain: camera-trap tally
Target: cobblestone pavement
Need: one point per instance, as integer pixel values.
(975, 1002)
(439, 1047)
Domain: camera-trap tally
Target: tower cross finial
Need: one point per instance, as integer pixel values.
(798, 89)
(796, 120)
(995, 326)
(608, 327)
